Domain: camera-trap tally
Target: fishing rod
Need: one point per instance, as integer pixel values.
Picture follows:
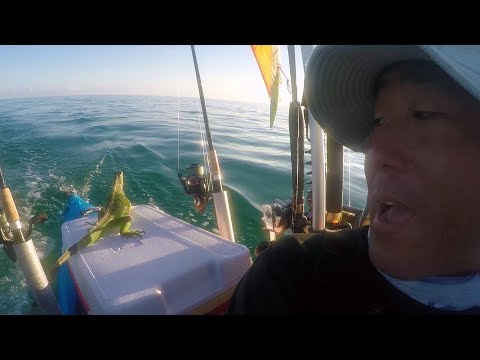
(327, 176)
(193, 180)
(334, 184)
(318, 160)
(27, 255)
(296, 129)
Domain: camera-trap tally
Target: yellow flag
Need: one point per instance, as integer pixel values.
(268, 59)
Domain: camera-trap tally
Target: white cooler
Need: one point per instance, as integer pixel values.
(175, 268)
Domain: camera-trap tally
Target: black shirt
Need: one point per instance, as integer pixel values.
(330, 273)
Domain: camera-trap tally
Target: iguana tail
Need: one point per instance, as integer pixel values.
(93, 235)
(62, 259)
(72, 250)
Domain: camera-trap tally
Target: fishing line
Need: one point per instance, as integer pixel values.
(276, 147)
(288, 81)
(349, 173)
(178, 130)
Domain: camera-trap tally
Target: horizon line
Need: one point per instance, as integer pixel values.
(147, 95)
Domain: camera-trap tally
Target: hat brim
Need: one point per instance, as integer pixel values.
(339, 85)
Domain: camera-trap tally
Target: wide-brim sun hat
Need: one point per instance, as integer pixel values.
(339, 82)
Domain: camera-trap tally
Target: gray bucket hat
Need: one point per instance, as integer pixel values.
(339, 81)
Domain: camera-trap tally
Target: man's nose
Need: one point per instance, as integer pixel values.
(387, 147)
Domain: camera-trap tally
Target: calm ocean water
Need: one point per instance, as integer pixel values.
(56, 143)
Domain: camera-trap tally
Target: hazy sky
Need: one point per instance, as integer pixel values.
(227, 71)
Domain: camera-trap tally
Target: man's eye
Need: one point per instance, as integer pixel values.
(378, 121)
(424, 115)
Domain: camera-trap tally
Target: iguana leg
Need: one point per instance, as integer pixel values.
(134, 233)
(124, 223)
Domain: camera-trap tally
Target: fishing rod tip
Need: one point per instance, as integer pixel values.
(2, 181)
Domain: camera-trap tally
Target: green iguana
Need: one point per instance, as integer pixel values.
(115, 214)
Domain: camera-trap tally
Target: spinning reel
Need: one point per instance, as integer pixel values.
(196, 183)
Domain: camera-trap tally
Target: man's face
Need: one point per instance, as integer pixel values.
(422, 167)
